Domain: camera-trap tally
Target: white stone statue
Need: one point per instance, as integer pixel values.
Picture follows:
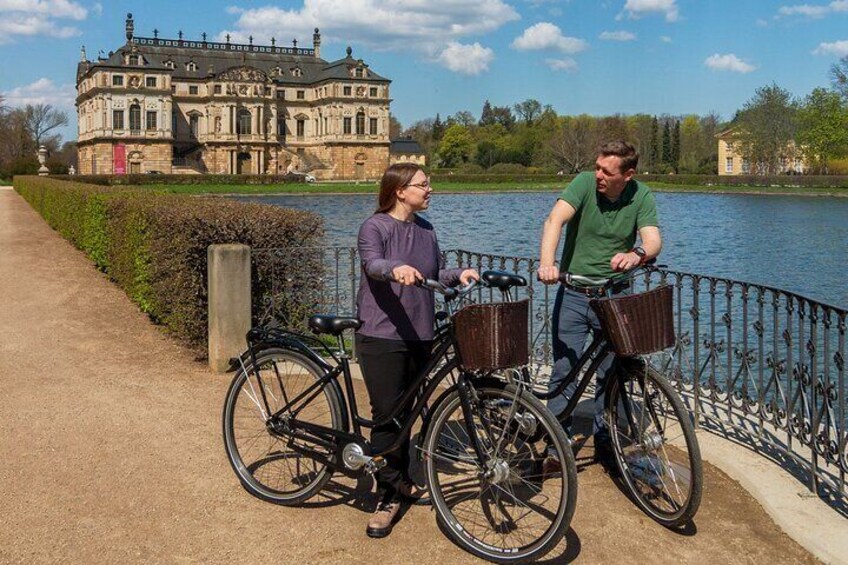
(43, 171)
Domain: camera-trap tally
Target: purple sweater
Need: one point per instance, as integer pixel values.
(387, 309)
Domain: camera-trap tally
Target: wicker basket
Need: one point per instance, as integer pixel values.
(492, 336)
(638, 323)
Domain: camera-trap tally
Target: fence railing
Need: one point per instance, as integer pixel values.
(757, 364)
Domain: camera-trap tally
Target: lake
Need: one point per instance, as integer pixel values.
(790, 242)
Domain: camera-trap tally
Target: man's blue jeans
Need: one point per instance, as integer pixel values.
(573, 321)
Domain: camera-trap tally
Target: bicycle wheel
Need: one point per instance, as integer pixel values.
(271, 465)
(507, 509)
(655, 445)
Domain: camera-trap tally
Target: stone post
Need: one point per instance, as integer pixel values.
(43, 171)
(229, 302)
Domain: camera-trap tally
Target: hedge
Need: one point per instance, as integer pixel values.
(154, 247)
(131, 180)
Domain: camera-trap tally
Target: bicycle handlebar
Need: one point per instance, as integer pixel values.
(448, 292)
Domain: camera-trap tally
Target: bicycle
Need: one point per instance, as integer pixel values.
(653, 438)
(288, 427)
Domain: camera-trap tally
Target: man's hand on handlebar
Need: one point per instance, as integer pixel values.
(625, 261)
(407, 275)
(548, 275)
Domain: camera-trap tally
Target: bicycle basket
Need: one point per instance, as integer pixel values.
(492, 336)
(638, 323)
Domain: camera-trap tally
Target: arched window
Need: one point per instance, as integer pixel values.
(244, 121)
(360, 123)
(135, 118)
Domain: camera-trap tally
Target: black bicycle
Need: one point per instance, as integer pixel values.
(653, 437)
(288, 426)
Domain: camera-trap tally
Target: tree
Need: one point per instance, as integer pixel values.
(457, 146)
(574, 143)
(528, 110)
(690, 144)
(41, 119)
(675, 146)
(766, 129)
(503, 116)
(394, 127)
(666, 144)
(655, 144)
(823, 128)
(839, 76)
(463, 118)
(438, 129)
(487, 117)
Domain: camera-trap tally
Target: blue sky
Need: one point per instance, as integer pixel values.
(580, 56)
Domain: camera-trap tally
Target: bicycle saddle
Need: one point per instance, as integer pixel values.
(335, 325)
(503, 280)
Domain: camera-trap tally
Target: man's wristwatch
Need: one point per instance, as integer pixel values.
(640, 252)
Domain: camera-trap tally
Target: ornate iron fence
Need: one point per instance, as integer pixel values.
(759, 365)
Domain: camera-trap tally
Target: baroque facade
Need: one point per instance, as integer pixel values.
(181, 106)
(732, 162)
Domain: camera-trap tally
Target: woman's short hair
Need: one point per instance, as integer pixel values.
(396, 176)
(624, 150)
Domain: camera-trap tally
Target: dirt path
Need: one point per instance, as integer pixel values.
(111, 451)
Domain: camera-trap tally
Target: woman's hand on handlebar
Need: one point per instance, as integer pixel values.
(407, 275)
(468, 275)
(548, 275)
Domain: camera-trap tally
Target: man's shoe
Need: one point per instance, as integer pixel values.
(606, 457)
(382, 520)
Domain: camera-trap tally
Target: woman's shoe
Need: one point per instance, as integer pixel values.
(412, 492)
(382, 520)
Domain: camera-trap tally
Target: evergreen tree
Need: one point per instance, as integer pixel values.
(487, 117)
(666, 144)
(654, 158)
(438, 128)
(675, 146)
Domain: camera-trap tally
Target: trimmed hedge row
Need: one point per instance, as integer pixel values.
(154, 246)
(131, 180)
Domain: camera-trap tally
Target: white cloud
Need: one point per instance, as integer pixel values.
(729, 62)
(42, 91)
(400, 25)
(838, 48)
(617, 36)
(546, 35)
(466, 59)
(813, 10)
(762, 23)
(637, 8)
(665, 39)
(38, 18)
(568, 64)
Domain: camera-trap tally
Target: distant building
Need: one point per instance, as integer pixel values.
(731, 162)
(185, 106)
(406, 151)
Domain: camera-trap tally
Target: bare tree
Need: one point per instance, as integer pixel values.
(528, 110)
(839, 76)
(574, 142)
(41, 119)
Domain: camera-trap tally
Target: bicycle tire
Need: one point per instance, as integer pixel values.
(266, 463)
(659, 458)
(475, 511)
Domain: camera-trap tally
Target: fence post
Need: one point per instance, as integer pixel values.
(228, 267)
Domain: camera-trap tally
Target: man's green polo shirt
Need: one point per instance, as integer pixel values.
(601, 228)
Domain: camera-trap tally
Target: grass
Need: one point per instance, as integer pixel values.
(370, 187)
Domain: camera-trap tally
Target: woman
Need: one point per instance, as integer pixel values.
(397, 248)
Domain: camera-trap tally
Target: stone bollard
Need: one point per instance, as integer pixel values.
(229, 302)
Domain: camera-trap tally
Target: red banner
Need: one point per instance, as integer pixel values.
(119, 159)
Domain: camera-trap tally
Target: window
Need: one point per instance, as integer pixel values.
(194, 126)
(174, 123)
(192, 90)
(373, 92)
(281, 94)
(244, 121)
(746, 166)
(117, 119)
(151, 120)
(301, 94)
(347, 124)
(347, 90)
(217, 89)
(133, 59)
(373, 125)
(150, 82)
(728, 165)
(358, 73)
(170, 64)
(296, 72)
(798, 167)
(173, 89)
(135, 118)
(281, 127)
(117, 80)
(301, 128)
(191, 66)
(360, 123)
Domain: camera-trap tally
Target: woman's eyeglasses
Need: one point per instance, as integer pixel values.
(425, 186)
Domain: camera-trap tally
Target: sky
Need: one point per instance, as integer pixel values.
(598, 57)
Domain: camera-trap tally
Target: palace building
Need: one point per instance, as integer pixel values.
(185, 106)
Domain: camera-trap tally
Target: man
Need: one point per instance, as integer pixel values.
(604, 212)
